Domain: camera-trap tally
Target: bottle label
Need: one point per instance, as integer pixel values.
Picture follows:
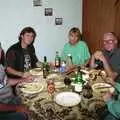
(57, 63)
(62, 69)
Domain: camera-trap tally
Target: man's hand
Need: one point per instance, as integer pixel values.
(107, 96)
(99, 56)
(27, 77)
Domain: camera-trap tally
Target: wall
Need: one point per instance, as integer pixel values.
(16, 14)
(99, 17)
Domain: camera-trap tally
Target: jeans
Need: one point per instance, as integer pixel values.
(12, 116)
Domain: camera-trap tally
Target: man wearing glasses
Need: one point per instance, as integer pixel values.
(109, 57)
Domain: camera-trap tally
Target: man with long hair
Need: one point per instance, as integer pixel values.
(21, 56)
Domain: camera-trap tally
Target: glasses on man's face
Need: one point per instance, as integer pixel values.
(108, 41)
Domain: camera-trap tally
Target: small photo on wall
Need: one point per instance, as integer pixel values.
(58, 21)
(48, 11)
(37, 3)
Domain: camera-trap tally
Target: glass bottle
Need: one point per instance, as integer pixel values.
(62, 67)
(79, 77)
(45, 68)
(79, 81)
(57, 60)
(69, 62)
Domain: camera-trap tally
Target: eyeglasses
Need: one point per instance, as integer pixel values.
(108, 41)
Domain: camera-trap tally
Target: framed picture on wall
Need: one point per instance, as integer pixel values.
(48, 11)
(58, 21)
(37, 3)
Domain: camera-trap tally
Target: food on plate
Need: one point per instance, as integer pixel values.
(36, 71)
(31, 87)
(53, 76)
(102, 88)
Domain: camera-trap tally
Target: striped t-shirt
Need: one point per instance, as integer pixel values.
(6, 90)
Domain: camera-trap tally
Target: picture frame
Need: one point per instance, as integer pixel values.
(58, 21)
(37, 3)
(48, 11)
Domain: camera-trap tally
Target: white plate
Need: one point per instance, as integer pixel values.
(102, 87)
(1, 86)
(67, 99)
(36, 71)
(32, 88)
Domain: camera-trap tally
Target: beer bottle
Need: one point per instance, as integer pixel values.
(57, 60)
(79, 77)
(79, 81)
(45, 69)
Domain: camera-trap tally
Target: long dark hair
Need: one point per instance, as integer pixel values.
(27, 30)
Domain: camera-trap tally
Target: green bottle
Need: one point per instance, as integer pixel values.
(46, 68)
(79, 78)
(57, 60)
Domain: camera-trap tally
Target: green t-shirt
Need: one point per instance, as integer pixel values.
(80, 52)
(114, 104)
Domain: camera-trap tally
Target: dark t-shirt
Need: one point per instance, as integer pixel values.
(27, 60)
(20, 59)
(113, 59)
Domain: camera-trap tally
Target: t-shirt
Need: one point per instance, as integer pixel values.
(113, 59)
(27, 60)
(2, 75)
(18, 60)
(80, 52)
(114, 104)
(5, 91)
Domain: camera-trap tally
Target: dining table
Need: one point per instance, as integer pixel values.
(42, 105)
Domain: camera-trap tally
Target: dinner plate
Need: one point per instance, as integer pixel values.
(36, 71)
(32, 88)
(67, 99)
(102, 88)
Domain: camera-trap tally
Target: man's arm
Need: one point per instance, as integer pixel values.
(13, 107)
(8, 107)
(110, 72)
(24, 75)
(92, 62)
(13, 82)
(12, 71)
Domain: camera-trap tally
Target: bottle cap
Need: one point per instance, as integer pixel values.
(69, 55)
